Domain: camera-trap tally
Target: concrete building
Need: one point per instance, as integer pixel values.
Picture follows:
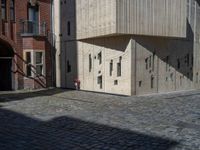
(130, 47)
(25, 49)
(57, 32)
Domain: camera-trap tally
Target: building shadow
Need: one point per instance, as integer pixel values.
(177, 53)
(15, 96)
(198, 1)
(68, 44)
(18, 132)
(120, 44)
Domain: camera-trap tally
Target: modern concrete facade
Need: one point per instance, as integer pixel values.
(130, 46)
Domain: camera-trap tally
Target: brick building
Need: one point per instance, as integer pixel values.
(25, 46)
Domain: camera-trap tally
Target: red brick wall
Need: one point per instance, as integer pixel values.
(19, 43)
(37, 43)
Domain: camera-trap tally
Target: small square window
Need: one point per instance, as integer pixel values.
(116, 82)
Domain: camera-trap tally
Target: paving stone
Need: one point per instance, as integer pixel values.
(75, 120)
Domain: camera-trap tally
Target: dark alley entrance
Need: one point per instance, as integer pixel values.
(6, 55)
(5, 74)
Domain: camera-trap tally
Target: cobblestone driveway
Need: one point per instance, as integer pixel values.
(70, 120)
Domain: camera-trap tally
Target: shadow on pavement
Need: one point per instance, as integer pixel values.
(20, 132)
(15, 96)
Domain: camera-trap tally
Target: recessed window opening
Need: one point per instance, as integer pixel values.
(116, 82)
(90, 63)
(192, 60)
(152, 82)
(140, 83)
(100, 58)
(181, 80)
(153, 61)
(150, 62)
(178, 64)
(197, 77)
(69, 68)
(99, 81)
(146, 63)
(172, 77)
(119, 65)
(111, 67)
(167, 63)
(68, 28)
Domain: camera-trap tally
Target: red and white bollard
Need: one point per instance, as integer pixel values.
(77, 84)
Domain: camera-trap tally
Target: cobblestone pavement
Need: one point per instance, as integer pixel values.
(57, 119)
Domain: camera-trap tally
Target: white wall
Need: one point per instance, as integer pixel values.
(112, 49)
(56, 29)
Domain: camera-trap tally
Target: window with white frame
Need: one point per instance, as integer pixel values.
(34, 65)
(39, 65)
(28, 66)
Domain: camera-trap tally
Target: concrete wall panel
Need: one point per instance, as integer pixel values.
(152, 17)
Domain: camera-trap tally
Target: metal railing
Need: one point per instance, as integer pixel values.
(33, 28)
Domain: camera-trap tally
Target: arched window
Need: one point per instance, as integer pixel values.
(12, 10)
(3, 10)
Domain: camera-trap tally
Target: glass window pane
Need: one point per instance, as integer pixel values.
(39, 57)
(3, 13)
(28, 57)
(12, 14)
(12, 10)
(12, 4)
(28, 70)
(3, 3)
(3, 9)
(39, 69)
(33, 14)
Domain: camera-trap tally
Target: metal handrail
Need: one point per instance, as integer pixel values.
(33, 28)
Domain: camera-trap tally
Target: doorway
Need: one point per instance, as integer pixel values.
(5, 74)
